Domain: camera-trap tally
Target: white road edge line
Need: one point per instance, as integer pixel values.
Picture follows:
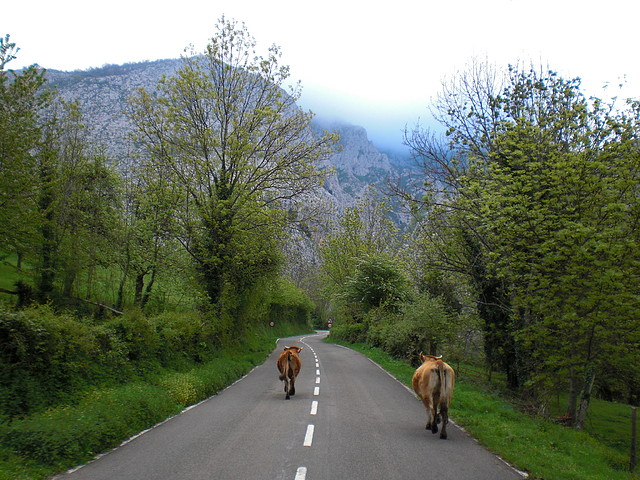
(301, 473)
(308, 438)
(317, 380)
(316, 391)
(314, 407)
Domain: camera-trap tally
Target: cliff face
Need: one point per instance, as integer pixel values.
(103, 94)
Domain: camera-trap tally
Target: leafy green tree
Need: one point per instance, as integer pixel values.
(363, 230)
(227, 136)
(23, 100)
(78, 204)
(147, 246)
(558, 203)
(448, 235)
(377, 282)
(537, 206)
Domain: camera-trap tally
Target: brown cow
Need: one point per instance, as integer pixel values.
(433, 382)
(289, 365)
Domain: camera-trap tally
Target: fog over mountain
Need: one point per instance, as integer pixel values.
(384, 122)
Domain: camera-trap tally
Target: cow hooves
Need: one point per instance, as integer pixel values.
(287, 397)
(443, 437)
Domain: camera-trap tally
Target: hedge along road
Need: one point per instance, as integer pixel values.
(349, 419)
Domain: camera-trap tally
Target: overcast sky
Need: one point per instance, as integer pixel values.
(375, 64)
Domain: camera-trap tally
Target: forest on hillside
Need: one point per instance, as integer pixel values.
(522, 253)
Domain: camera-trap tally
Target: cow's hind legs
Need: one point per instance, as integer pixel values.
(444, 412)
(286, 389)
(432, 424)
(292, 387)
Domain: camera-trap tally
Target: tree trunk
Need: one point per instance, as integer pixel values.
(585, 397)
(572, 401)
(69, 280)
(147, 291)
(137, 299)
(48, 247)
(123, 280)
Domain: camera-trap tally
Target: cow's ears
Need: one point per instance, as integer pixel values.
(421, 357)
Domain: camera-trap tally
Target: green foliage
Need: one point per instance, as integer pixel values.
(23, 100)
(99, 417)
(231, 143)
(420, 326)
(45, 357)
(101, 420)
(377, 282)
(289, 304)
(538, 211)
(364, 230)
(350, 332)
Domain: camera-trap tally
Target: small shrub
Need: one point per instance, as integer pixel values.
(349, 332)
(138, 333)
(101, 420)
(184, 388)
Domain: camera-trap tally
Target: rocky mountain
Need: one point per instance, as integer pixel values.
(103, 93)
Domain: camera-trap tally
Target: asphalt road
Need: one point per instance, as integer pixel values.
(348, 420)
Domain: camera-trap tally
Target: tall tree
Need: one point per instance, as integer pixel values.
(536, 188)
(363, 230)
(237, 147)
(78, 203)
(23, 101)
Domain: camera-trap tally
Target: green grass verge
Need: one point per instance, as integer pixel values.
(540, 447)
(62, 437)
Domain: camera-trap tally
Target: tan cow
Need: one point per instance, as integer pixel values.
(433, 382)
(289, 365)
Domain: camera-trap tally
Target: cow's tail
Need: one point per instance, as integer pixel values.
(442, 380)
(443, 377)
(445, 388)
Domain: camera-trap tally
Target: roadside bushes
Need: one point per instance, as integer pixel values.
(47, 358)
(44, 357)
(47, 437)
(100, 420)
(422, 325)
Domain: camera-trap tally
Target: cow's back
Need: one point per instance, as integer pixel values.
(427, 382)
(425, 379)
(295, 363)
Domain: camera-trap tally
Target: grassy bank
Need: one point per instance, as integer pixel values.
(58, 438)
(540, 447)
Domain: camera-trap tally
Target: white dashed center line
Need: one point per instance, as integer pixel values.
(308, 438)
(301, 474)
